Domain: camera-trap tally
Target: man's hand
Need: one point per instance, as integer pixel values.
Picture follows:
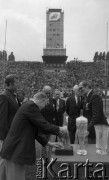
(63, 130)
(55, 144)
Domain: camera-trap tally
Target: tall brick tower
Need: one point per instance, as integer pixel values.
(54, 53)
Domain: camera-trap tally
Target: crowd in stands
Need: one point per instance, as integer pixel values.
(92, 71)
(56, 80)
(32, 77)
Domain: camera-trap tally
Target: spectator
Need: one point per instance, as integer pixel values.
(9, 104)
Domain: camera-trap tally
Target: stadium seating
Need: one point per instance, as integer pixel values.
(32, 77)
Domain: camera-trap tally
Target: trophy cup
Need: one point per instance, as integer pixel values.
(81, 133)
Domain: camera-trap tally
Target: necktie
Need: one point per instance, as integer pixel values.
(57, 104)
(79, 100)
(76, 99)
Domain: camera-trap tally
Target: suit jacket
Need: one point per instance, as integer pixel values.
(73, 111)
(28, 124)
(93, 111)
(48, 111)
(8, 109)
(59, 113)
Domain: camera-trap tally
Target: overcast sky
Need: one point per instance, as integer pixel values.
(85, 27)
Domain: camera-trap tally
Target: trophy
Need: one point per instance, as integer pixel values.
(81, 134)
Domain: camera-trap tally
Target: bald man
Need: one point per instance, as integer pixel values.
(19, 146)
(49, 109)
(73, 107)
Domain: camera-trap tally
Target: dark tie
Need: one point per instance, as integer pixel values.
(79, 100)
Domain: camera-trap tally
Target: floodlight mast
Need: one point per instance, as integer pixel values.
(4, 52)
(106, 68)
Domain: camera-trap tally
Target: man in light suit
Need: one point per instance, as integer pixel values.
(9, 104)
(73, 107)
(92, 109)
(19, 146)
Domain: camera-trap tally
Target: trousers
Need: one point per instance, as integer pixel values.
(14, 171)
(2, 169)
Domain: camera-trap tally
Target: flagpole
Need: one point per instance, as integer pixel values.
(106, 66)
(5, 36)
(4, 53)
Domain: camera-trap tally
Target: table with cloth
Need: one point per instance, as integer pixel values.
(74, 165)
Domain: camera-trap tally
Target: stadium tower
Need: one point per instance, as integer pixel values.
(54, 55)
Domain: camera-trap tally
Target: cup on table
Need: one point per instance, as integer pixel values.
(81, 133)
(101, 138)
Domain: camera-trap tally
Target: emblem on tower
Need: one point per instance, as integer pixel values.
(54, 16)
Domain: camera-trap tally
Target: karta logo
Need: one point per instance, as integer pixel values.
(46, 169)
(54, 16)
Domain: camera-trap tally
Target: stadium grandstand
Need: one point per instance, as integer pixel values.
(32, 76)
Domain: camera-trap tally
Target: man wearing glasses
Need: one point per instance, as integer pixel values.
(92, 109)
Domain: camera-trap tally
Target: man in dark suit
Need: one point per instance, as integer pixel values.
(59, 108)
(19, 146)
(48, 110)
(48, 114)
(9, 104)
(93, 109)
(73, 106)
